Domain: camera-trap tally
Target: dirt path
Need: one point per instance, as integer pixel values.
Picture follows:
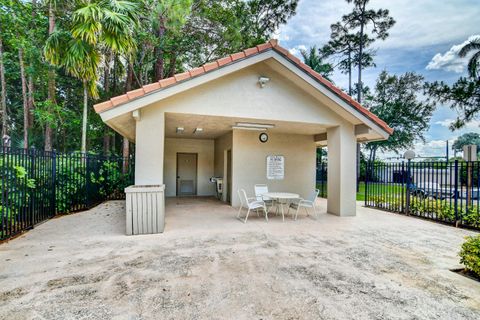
(374, 266)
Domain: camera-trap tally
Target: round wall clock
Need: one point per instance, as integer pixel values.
(263, 137)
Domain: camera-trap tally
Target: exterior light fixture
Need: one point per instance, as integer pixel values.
(198, 130)
(180, 130)
(409, 154)
(262, 81)
(255, 125)
(249, 128)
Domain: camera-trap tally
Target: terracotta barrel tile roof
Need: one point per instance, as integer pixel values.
(151, 87)
(250, 51)
(182, 76)
(135, 93)
(197, 71)
(224, 61)
(272, 44)
(210, 66)
(167, 82)
(238, 55)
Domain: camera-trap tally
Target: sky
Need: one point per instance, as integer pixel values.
(425, 39)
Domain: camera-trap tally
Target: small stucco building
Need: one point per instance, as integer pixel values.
(207, 123)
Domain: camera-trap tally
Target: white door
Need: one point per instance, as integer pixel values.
(186, 174)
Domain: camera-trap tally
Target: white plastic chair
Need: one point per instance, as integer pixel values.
(302, 203)
(260, 190)
(250, 204)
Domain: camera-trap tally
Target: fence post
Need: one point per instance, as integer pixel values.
(456, 193)
(87, 181)
(367, 172)
(403, 193)
(54, 182)
(31, 203)
(409, 183)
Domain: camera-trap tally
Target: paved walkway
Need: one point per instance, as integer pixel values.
(208, 265)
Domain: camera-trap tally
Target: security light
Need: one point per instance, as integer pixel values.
(409, 154)
(263, 81)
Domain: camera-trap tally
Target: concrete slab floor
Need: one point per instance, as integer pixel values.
(208, 265)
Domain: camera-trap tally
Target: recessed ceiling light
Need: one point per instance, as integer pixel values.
(180, 130)
(198, 130)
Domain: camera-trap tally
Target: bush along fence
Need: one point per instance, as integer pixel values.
(37, 185)
(442, 191)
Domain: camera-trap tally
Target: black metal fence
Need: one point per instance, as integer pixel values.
(443, 191)
(322, 179)
(37, 185)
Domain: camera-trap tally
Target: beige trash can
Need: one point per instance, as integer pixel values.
(145, 207)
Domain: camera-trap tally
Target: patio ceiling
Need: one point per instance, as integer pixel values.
(214, 127)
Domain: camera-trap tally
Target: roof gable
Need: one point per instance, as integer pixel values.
(245, 54)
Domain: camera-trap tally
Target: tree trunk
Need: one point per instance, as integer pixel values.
(31, 100)
(349, 72)
(125, 154)
(173, 63)
(114, 143)
(3, 93)
(126, 144)
(31, 84)
(106, 88)
(24, 97)
(129, 80)
(106, 141)
(51, 81)
(360, 54)
(159, 63)
(84, 117)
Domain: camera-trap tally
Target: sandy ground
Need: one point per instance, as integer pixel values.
(208, 265)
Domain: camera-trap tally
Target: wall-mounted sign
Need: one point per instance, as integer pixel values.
(275, 167)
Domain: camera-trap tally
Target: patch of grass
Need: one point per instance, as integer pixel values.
(386, 188)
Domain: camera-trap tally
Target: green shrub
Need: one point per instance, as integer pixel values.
(470, 254)
(472, 216)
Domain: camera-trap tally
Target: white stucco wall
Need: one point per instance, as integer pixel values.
(149, 148)
(249, 163)
(222, 145)
(342, 171)
(239, 95)
(205, 164)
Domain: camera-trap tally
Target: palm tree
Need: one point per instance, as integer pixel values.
(474, 62)
(96, 25)
(314, 60)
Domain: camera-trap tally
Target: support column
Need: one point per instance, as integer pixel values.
(342, 173)
(149, 149)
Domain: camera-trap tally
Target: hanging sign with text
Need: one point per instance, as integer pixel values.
(275, 167)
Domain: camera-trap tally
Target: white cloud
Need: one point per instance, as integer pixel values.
(296, 50)
(445, 123)
(472, 125)
(450, 60)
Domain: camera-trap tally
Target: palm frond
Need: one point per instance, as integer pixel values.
(471, 46)
(473, 65)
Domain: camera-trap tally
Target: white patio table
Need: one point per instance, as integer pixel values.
(282, 199)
